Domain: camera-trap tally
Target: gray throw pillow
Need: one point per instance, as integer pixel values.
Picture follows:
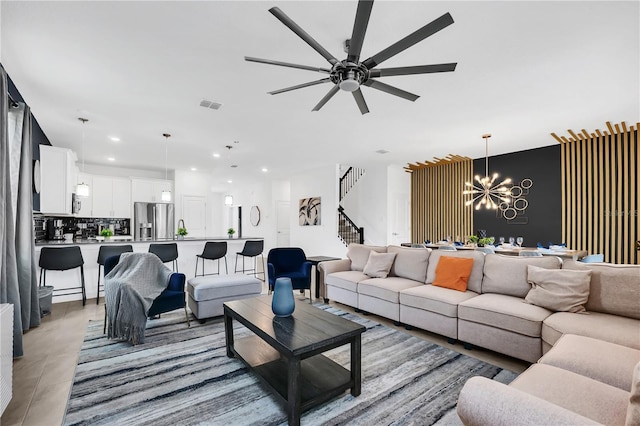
(559, 290)
(379, 264)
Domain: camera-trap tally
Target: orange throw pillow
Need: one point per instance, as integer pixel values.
(453, 272)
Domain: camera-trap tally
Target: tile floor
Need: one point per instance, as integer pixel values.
(42, 378)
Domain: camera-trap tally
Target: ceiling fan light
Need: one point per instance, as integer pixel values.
(349, 85)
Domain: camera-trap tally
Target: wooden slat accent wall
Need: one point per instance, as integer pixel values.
(437, 202)
(600, 184)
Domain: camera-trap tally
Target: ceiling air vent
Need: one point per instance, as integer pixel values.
(210, 104)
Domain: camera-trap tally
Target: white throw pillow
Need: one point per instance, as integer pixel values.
(559, 290)
(379, 264)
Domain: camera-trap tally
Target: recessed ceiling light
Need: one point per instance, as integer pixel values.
(193, 169)
(216, 155)
(264, 169)
(229, 181)
(111, 159)
(114, 138)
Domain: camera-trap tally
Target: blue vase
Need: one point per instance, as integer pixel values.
(283, 303)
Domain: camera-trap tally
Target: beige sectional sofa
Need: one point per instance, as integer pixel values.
(585, 373)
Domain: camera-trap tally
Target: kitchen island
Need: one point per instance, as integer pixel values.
(188, 248)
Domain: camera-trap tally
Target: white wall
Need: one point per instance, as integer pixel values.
(398, 205)
(197, 184)
(322, 239)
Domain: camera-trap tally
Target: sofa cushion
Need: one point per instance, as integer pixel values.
(359, 254)
(386, 288)
(592, 399)
(475, 279)
(453, 273)
(615, 289)
(435, 299)
(410, 263)
(558, 289)
(610, 328)
(347, 280)
(505, 274)
(379, 264)
(633, 411)
(602, 361)
(504, 312)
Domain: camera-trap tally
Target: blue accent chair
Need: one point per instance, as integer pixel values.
(289, 262)
(172, 298)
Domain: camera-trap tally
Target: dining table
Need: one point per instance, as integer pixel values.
(515, 250)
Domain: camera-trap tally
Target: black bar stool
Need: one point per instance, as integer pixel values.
(252, 248)
(167, 253)
(213, 251)
(62, 259)
(105, 252)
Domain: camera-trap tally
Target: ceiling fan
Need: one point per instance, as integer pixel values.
(351, 73)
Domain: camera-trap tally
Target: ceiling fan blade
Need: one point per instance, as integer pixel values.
(282, 17)
(375, 84)
(359, 29)
(286, 64)
(357, 95)
(420, 69)
(413, 38)
(300, 86)
(326, 98)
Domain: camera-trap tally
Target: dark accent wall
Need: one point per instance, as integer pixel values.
(37, 136)
(542, 219)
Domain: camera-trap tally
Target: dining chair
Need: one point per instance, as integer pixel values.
(486, 250)
(213, 251)
(253, 249)
(593, 258)
(105, 252)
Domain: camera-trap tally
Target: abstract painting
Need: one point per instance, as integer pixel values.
(309, 211)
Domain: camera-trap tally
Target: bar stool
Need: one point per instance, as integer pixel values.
(213, 251)
(62, 259)
(105, 252)
(167, 253)
(252, 248)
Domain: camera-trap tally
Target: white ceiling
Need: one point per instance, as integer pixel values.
(140, 69)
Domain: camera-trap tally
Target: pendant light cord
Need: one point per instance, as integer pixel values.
(166, 154)
(83, 120)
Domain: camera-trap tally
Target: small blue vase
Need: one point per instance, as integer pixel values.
(283, 303)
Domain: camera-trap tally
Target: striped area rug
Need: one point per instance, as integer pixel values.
(182, 376)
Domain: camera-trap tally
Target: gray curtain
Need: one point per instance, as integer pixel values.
(18, 283)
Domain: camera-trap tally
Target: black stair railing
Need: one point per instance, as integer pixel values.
(349, 179)
(348, 231)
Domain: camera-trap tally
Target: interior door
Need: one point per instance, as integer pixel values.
(400, 219)
(283, 223)
(194, 214)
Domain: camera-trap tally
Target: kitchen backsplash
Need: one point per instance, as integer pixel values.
(81, 227)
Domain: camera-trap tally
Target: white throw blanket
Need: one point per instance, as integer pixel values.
(130, 289)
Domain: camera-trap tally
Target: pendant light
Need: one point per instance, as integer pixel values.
(485, 193)
(166, 194)
(82, 189)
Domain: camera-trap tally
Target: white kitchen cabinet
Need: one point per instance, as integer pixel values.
(85, 202)
(111, 197)
(149, 190)
(57, 171)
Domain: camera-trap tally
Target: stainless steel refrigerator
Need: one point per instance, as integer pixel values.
(153, 221)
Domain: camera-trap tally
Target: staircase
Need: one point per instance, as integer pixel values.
(348, 231)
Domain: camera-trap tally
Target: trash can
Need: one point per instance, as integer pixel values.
(45, 297)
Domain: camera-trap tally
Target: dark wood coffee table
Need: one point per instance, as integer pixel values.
(286, 353)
